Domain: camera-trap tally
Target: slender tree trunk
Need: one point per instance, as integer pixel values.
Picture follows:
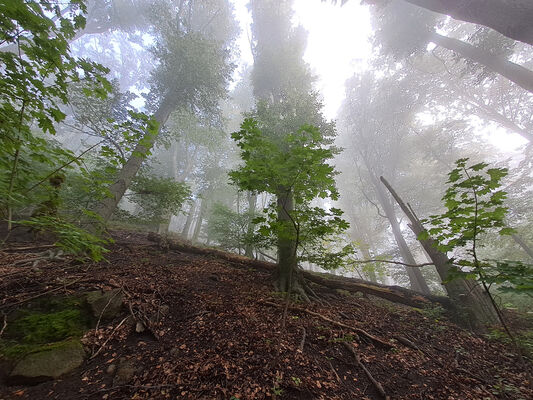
(519, 241)
(252, 201)
(164, 226)
(108, 205)
(370, 272)
(199, 220)
(510, 18)
(523, 77)
(188, 222)
(416, 279)
(463, 293)
(286, 243)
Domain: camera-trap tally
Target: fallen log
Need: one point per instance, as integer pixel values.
(395, 294)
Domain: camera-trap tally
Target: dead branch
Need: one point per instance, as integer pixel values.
(44, 246)
(335, 372)
(105, 307)
(302, 342)
(376, 384)
(109, 338)
(354, 329)
(39, 295)
(4, 325)
(392, 262)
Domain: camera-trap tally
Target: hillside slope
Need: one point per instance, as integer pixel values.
(214, 329)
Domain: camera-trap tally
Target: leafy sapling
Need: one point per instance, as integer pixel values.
(293, 168)
(475, 207)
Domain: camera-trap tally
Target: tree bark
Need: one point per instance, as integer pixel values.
(523, 77)
(512, 18)
(519, 241)
(252, 202)
(416, 279)
(108, 205)
(199, 220)
(286, 243)
(188, 222)
(461, 292)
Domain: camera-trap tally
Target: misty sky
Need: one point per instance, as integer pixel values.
(337, 48)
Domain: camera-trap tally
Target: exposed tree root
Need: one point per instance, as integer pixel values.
(354, 329)
(376, 384)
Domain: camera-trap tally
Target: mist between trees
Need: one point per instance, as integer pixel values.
(141, 114)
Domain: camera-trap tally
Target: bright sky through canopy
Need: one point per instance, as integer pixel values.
(337, 44)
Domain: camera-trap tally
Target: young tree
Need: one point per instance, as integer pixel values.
(294, 168)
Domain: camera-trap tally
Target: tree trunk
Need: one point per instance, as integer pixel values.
(252, 201)
(188, 222)
(523, 77)
(511, 18)
(461, 292)
(164, 225)
(370, 273)
(108, 205)
(416, 279)
(286, 243)
(523, 245)
(199, 220)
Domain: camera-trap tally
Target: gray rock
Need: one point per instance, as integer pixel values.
(47, 364)
(125, 371)
(106, 304)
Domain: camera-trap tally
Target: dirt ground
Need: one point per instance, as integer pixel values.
(216, 330)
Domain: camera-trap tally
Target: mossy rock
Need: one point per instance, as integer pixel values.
(49, 362)
(105, 305)
(43, 322)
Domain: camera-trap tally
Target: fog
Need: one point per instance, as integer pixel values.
(398, 89)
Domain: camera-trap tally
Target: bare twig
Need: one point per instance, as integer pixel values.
(334, 372)
(44, 246)
(392, 262)
(376, 384)
(39, 295)
(109, 338)
(4, 325)
(105, 308)
(302, 342)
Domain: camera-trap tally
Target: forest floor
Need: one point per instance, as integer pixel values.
(216, 330)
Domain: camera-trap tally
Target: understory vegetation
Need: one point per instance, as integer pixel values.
(153, 116)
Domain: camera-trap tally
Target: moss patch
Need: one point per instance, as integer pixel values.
(40, 324)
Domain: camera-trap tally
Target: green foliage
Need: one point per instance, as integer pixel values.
(230, 229)
(71, 238)
(158, 197)
(475, 207)
(293, 166)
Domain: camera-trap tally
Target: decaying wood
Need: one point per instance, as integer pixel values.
(392, 293)
(333, 322)
(395, 294)
(302, 342)
(376, 384)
